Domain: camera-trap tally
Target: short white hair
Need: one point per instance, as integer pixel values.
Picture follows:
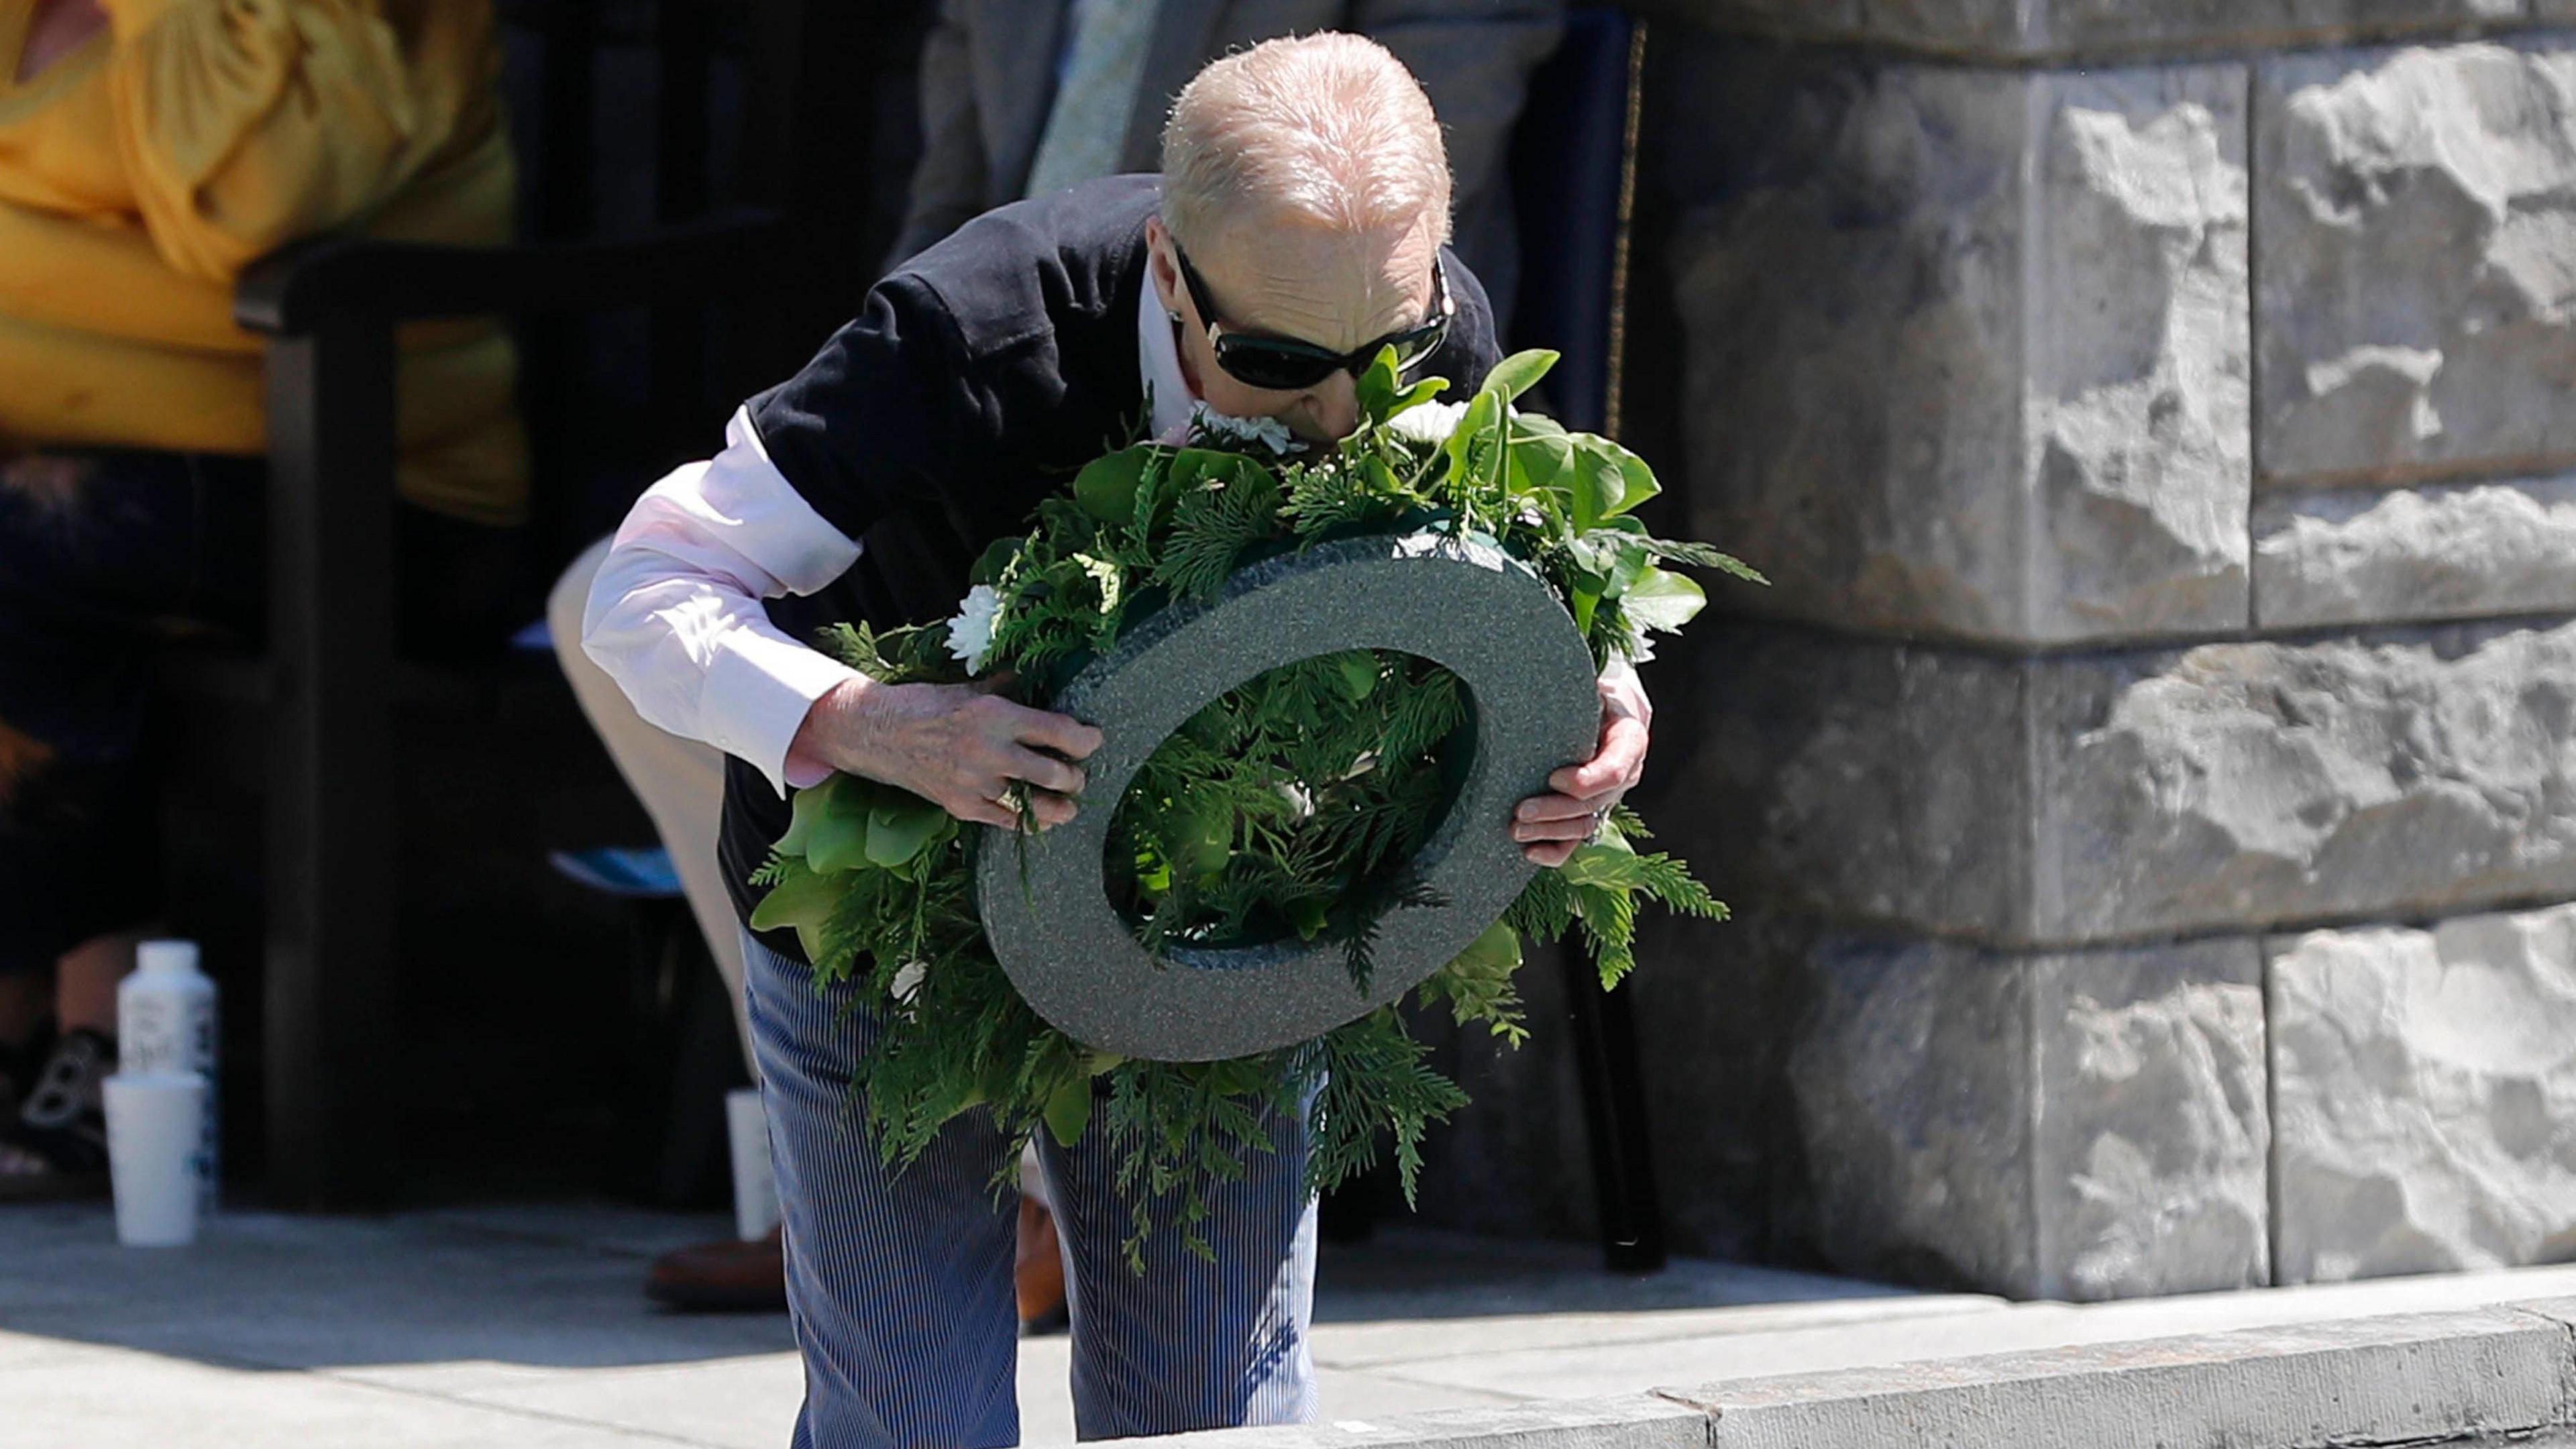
(1327, 126)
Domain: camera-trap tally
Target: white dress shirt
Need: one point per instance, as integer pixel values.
(675, 616)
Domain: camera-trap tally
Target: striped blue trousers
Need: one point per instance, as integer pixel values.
(899, 1285)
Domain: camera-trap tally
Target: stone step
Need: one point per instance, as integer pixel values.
(2472, 1376)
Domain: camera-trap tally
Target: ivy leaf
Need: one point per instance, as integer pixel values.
(1586, 602)
(1597, 485)
(996, 557)
(1068, 1111)
(1629, 564)
(1421, 392)
(1519, 372)
(1378, 386)
(1603, 864)
(1493, 956)
(803, 812)
(1309, 915)
(900, 823)
(1543, 461)
(801, 898)
(1106, 487)
(1664, 600)
(839, 841)
(1637, 479)
(1358, 670)
(1200, 833)
(1192, 466)
(1479, 419)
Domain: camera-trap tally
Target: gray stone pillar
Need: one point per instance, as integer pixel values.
(2157, 416)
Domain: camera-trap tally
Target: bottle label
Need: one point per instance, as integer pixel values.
(168, 1032)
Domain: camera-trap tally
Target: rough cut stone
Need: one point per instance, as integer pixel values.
(2425, 1096)
(1861, 781)
(2416, 245)
(2153, 1135)
(2070, 800)
(2080, 1126)
(1968, 350)
(1462, 605)
(2036, 29)
(2363, 556)
(2269, 782)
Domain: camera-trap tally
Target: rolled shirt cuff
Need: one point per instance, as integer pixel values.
(758, 693)
(1621, 679)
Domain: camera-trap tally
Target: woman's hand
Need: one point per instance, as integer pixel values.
(959, 746)
(1551, 827)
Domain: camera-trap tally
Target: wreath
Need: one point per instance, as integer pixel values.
(1289, 808)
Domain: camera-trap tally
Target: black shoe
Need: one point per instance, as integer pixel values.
(57, 1146)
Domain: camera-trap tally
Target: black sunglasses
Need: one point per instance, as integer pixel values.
(1284, 364)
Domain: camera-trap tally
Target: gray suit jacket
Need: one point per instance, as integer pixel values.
(988, 79)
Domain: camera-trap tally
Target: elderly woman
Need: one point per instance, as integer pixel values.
(1297, 228)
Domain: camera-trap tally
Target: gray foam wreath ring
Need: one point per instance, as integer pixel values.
(1462, 604)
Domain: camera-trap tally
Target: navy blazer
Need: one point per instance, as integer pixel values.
(977, 379)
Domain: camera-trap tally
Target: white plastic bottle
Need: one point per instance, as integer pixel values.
(165, 1022)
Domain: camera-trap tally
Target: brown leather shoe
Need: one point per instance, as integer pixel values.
(727, 1277)
(1039, 1272)
(733, 1276)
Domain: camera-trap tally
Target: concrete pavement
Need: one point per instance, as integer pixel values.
(523, 1326)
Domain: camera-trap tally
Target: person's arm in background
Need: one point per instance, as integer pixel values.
(246, 124)
(1474, 58)
(948, 180)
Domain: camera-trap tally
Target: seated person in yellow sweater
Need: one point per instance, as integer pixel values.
(149, 151)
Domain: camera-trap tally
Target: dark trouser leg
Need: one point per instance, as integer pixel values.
(101, 552)
(97, 550)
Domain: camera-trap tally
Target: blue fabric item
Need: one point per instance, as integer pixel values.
(899, 1283)
(1565, 169)
(645, 874)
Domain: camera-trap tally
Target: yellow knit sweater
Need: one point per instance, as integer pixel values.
(140, 173)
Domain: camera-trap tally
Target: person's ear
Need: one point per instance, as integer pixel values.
(1161, 269)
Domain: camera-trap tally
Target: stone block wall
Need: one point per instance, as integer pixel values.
(2155, 768)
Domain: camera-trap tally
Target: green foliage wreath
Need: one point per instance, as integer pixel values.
(1290, 805)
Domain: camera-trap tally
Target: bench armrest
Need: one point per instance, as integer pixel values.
(294, 290)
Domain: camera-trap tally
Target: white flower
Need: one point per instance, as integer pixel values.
(1242, 432)
(970, 634)
(906, 982)
(1429, 423)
